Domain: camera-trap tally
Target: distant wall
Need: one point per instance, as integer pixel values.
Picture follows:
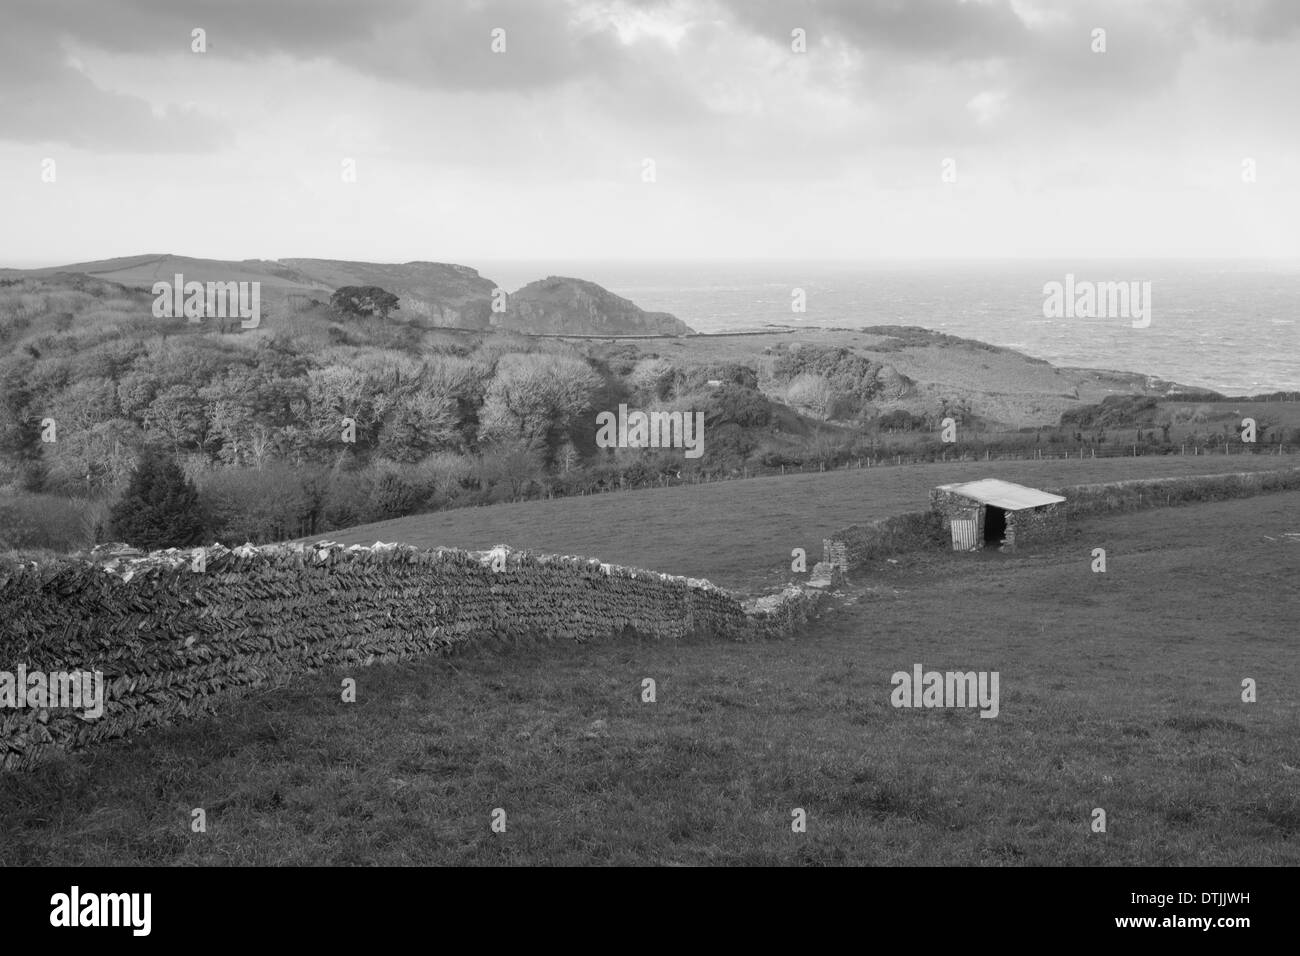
(859, 544)
(1163, 492)
(170, 639)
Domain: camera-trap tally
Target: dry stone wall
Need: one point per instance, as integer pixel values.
(1164, 492)
(859, 544)
(169, 639)
(1031, 525)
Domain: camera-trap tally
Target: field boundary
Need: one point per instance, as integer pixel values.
(170, 638)
(858, 544)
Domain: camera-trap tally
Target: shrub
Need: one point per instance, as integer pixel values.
(738, 405)
(699, 376)
(901, 420)
(47, 522)
(812, 392)
(352, 300)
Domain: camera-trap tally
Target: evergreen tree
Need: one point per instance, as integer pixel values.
(160, 508)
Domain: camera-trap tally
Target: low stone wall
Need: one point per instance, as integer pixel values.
(1114, 496)
(169, 639)
(857, 544)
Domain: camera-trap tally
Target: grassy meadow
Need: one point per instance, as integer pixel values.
(1118, 690)
(739, 534)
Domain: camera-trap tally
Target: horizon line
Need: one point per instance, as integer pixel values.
(42, 263)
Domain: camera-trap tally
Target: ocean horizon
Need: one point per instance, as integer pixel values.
(1228, 325)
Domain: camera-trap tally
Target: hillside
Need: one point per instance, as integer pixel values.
(314, 421)
(431, 294)
(560, 305)
(1000, 385)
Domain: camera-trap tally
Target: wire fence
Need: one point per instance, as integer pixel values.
(1081, 453)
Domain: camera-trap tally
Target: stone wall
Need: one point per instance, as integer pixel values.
(858, 544)
(948, 505)
(1031, 525)
(170, 639)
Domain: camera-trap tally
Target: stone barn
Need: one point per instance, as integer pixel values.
(998, 513)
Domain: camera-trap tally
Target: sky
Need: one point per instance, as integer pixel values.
(392, 130)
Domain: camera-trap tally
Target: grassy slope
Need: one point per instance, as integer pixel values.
(1119, 691)
(1002, 385)
(740, 533)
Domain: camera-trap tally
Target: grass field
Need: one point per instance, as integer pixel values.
(1118, 690)
(739, 534)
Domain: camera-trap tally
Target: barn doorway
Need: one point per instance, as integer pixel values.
(995, 525)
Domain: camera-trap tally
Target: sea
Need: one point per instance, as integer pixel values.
(1228, 325)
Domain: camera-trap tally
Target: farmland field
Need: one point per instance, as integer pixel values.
(1119, 691)
(739, 534)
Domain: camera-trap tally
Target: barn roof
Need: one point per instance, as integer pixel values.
(1002, 494)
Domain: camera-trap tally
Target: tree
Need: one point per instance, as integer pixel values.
(567, 457)
(363, 300)
(813, 392)
(652, 378)
(91, 460)
(516, 465)
(160, 507)
(176, 414)
(537, 398)
(419, 423)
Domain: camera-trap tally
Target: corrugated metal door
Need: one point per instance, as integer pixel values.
(964, 534)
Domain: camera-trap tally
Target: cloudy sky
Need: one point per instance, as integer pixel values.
(541, 151)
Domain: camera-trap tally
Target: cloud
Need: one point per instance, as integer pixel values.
(47, 97)
(444, 45)
(767, 144)
(1265, 21)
